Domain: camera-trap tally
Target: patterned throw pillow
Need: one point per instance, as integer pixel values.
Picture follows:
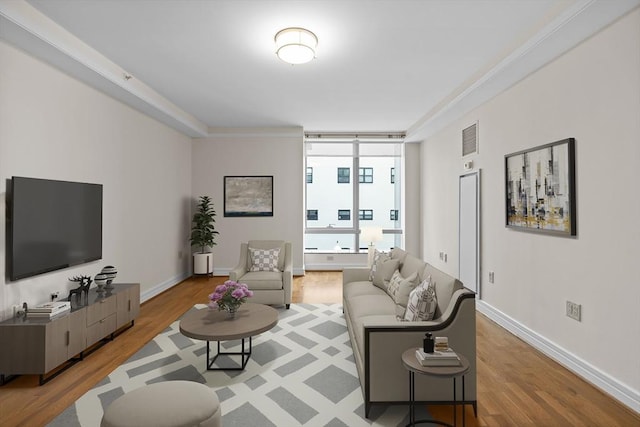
(377, 256)
(422, 302)
(400, 287)
(264, 259)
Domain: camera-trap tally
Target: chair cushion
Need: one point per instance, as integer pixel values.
(264, 259)
(261, 280)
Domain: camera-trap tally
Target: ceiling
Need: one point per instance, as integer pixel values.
(205, 66)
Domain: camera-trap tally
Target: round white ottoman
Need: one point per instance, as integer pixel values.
(165, 404)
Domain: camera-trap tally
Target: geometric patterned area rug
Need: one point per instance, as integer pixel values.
(301, 373)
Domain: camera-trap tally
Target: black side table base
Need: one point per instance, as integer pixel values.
(244, 353)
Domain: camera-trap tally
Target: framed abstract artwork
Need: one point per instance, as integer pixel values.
(248, 196)
(541, 189)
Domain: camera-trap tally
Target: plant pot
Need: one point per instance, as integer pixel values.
(203, 263)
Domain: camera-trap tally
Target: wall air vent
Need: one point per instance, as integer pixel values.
(470, 140)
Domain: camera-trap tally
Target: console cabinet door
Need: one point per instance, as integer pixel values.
(77, 333)
(128, 305)
(56, 343)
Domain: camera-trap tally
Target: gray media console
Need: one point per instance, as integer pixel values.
(46, 347)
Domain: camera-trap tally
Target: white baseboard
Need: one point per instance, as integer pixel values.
(161, 287)
(588, 372)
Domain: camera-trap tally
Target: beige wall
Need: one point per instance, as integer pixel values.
(52, 126)
(276, 152)
(591, 93)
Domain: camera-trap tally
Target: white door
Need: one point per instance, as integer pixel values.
(469, 231)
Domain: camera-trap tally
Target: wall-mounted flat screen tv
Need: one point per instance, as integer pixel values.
(52, 225)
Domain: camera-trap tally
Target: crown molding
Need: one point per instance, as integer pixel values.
(25, 27)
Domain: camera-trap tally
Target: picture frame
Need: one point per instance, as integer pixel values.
(248, 196)
(540, 189)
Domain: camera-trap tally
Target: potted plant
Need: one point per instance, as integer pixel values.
(203, 236)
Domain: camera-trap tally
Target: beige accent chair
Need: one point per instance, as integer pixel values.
(269, 287)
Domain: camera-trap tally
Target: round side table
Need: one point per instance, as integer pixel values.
(411, 363)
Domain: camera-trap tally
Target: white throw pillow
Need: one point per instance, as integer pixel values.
(422, 302)
(264, 259)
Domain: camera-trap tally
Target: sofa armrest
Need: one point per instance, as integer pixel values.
(241, 269)
(355, 274)
(384, 343)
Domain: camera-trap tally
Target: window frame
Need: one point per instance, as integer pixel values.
(348, 175)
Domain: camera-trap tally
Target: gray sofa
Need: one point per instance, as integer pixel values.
(379, 338)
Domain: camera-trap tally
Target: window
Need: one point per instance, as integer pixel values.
(312, 214)
(365, 176)
(344, 175)
(344, 214)
(393, 176)
(366, 215)
(309, 175)
(342, 199)
(393, 214)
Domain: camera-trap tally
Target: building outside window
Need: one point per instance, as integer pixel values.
(309, 175)
(312, 214)
(346, 196)
(365, 176)
(366, 214)
(344, 214)
(393, 214)
(344, 175)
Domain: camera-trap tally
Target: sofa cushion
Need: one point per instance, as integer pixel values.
(367, 305)
(422, 302)
(400, 288)
(353, 289)
(264, 259)
(377, 256)
(384, 271)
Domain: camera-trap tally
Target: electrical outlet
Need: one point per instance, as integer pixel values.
(55, 295)
(441, 255)
(445, 257)
(574, 310)
(491, 276)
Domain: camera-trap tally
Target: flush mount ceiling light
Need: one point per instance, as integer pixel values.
(296, 45)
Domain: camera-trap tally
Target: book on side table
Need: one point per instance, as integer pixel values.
(438, 358)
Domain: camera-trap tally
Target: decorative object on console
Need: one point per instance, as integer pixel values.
(111, 272)
(541, 189)
(441, 344)
(85, 284)
(101, 280)
(371, 235)
(229, 296)
(203, 235)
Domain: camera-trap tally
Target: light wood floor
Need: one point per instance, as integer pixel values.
(517, 385)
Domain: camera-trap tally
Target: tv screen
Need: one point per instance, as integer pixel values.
(52, 225)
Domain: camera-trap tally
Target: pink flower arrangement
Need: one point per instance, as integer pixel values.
(229, 295)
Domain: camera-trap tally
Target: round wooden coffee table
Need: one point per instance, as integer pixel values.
(215, 325)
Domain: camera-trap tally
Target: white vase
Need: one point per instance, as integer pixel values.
(203, 263)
